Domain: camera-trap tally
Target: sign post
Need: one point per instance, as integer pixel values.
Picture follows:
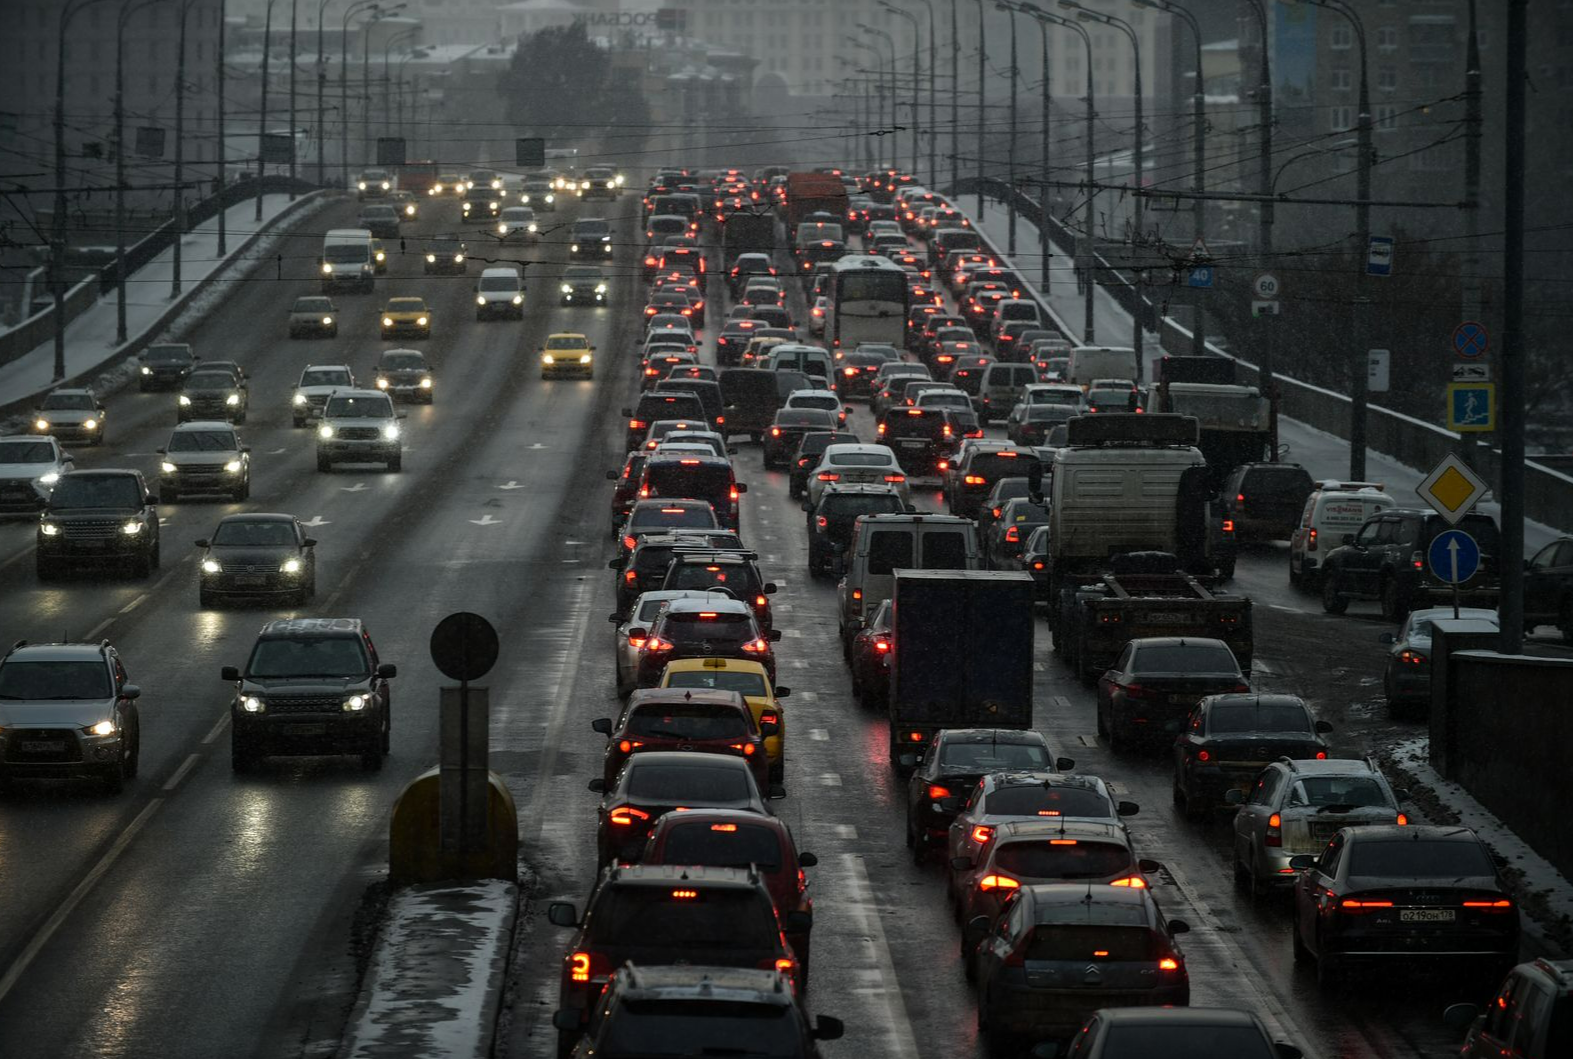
(464, 648)
(1452, 489)
(1379, 256)
(1378, 370)
(1454, 557)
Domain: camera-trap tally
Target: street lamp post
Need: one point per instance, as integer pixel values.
(879, 90)
(1264, 105)
(983, 74)
(180, 146)
(933, 125)
(1198, 153)
(292, 130)
(917, 41)
(1043, 165)
(322, 82)
(126, 11)
(1359, 383)
(955, 93)
(403, 36)
(344, 82)
(1010, 179)
(262, 120)
(222, 156)
(890, 41)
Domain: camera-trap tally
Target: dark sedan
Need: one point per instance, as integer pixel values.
(405, 375)
(1157, 681)
(652, 784)
(1229, 739)
(166, 365)
(257, 556)
(689, 719)
(789, 425)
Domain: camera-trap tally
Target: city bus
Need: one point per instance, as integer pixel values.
(868, 302)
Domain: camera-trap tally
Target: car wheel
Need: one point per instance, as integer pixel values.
(1295, 580)
(243, 754)
(142, 565)
(802, 972)
(114, 776)
(1332, 602)
(1565, 620)
(1301, 953)
(46, 569)
(324, 464)
(134, 758)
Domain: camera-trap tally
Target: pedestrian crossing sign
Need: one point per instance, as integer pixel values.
(1471, 406)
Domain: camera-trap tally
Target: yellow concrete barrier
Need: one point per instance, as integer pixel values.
(415, 853)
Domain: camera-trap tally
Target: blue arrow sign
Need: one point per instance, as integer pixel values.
(1201, 276)
(1379, 256)
(1454, 556)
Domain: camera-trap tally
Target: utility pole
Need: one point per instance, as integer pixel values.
(982, 82)
(1010, 197)
(292, 129)
(262, 121)
(955, 94)
(223, 144)
(180, 147)
(1267, 325)
(1511, 611)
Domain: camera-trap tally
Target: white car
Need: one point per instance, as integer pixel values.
(317, 381)
(816, 315)
(826, 400)
(944, 397)
(670, 322)
(517, 223)
(669, 336)
(29, 469)
(1053, 393)
(857, 465)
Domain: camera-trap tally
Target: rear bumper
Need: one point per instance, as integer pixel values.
(1020, 1010)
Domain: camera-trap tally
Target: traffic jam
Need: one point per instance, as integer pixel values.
(969, 477)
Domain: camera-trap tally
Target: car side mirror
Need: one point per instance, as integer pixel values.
(1149, 866)
(614, 564)
(775, 636)
(798, 922)
(151, 498)
(131, 691)
(1348, 538)
(614, 618)
(1388, 638)
(770, 588)
(201, 542)
(741, 487)
(1064, 764)
(562, 914)
(1459, 1017)
(160, 451)
(1234, 797)
(951, 804)
(782, 693)
(961, 863)
(597, 785)
(1302, 862)
(1179, 926)
(1323, 727)
(566, 1019)
(229, 673)
(1127, 808)
(612, 476)
(309, 542)
(807, 860)
(387, 671)
(602, 725)
(777, 790)
(806, 506)
(627, 413)
(828, 1029)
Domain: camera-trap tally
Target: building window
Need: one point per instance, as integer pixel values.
(1387, 38)
(1385, 117)
(1341, 38)
(1341, 119)
(1387, 78)
(1342, 78)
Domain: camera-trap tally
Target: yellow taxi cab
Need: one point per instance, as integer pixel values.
(567, 353)
(406, 316)
(749, 679)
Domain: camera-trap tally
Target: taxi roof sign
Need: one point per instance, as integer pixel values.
(1452, 489)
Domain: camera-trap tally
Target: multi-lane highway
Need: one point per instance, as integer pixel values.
(202, 913)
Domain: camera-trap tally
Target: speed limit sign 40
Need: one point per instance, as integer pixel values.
(1265, 286)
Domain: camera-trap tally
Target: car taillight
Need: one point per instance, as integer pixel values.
(828, 476)
(895, 479)
(944, 465)
(997, 882)
(1037, 564)
(1499, 905)
(936, 792)
(629, 542)
(882, 645)
(1168, 963)
(630, 576)
(625, 815)
(579, 967)
(1402, 820)
(1137, 691)
(657, 645)
(1013, 535)
(775, 432)
(1418, 559)
(732, 494)
(982, 833)
(757, 647)
(628, 746)
(785, 965)
(880, 430)
(1275, 831)
(637, 424)
(1310, 540)
(1204, 755)
(1134, 882)
(1353, 904)
(1241, 688)
(975, 479)
(1228, 525)
(849, 372)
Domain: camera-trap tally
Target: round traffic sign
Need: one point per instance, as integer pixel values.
(1454, 556)
(1266, 286)
(1470, 339)
(464, 646)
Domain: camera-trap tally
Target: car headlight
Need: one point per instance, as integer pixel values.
(600, 288)
(233, 466)
(386, 185)
(567, 288)
(421, 321)
(89, 424)
(251, 704)
(355, 703)
(325, 431)
(390, 431)
(547, 358)
(573, 247)
(382, 384)
(49, 529)
(232, 400)
(184, 400)
(531, 227)
(431, 258)
(103, 728)
(409, 211)
(382, 255)
(518, 299)
(426, 383)
(458, 259)
(480, 299)
(502, 229)
(327, 268)
(146, 370)
(619, 180)
(290, 566)
(551, 198)
(48, 479)
(132, 528)
(584, 185)
(211, 566)
(167, 467)
(524, 196)
(361, 185)
(387, 321)
(585, 359)
(300, 399)
(466, 207)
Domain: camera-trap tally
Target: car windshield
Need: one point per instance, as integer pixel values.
(567, 342)
(825, 400)
(26, 452)
(1353, 791)
(378, 407)
(406, 305)
(850, 507)
(687, 516)
(687, 784)
(1190, 658)
(1227, 718)
(1086, 944)
(719, 680)
(590, 229)
(23, 680)
(312, 305)
(860, 459)
(686, 721)
(73, 402)
(720, 628)
(402, 362)
(993, 757)
(325, 378)
(181, 355)
(582, 273)
(210, 380)
(1062, 858)
(328, 656)
(725, 845)
(1419, 858)
(1420, 628)
(1040, 800)
(737, 577)
(944, 399)
(499, 283)
(1186, 1041)
(650, 917)
(89, 490)
(239, 533)
(203, 441)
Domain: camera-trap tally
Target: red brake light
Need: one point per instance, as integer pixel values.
(1168, 963)
(828, 476)
(1496, 906)
(1350, 904)
(723, 827)
(757, 647)
(974, 479)
(895, 478)
(1204, 755)
(579, 967)
(1310, 543)
(629, 542)
(684, 895)
(982, 833)
(1135, 882)
(1275, 834)
(882, 645)
(936, 792)
(1403, 820)
(775, 432)
(997, 882)
(625, 815)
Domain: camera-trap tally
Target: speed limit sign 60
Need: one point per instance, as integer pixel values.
(1265, 285)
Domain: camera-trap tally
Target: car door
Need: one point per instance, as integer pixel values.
(1547, 580)
(1358, 564)
(1318, 887)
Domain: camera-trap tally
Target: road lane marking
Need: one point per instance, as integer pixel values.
(358, 487)
(1261, 666)
(512, 483)
(898, 1025)
(846, 831)
(56, 919)
(134, 604)
(485, 520)
(317, 520)
(218, 729)
(92, 634)
(1060, 702)
(1087, 740)
(819, 735)
(830, 779)
(180, 773)
(562, 691)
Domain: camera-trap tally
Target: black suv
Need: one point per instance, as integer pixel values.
(67, 710)
(920, 437)
(1387, 561)
(165, 366)
(311, 686)
(840, 506)
(1266, 499)
(99, 516)
(737, 572)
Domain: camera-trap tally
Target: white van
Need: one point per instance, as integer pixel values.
(348, 260)
(499, 292)
(1101, 362)
(1332, 510)
(793, 356)
(1001, 388)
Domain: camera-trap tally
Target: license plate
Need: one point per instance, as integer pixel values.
(1188, 700)
(44, 746)
(1324, 830)
(250, 579)
(1426, 915)
(1170, 617)
(913, 443)
(305, 729)
(89, 544)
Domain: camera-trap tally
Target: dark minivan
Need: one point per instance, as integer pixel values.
(1265, 500)
(749, 400)
(660, 404)
(694, 477)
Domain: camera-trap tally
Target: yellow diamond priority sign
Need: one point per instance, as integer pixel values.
(1452, 489)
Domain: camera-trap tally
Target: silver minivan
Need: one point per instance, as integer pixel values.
(1001, 388)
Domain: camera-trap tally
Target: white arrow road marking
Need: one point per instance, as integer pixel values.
(278, 452)
(486, 520)
(537, 445)
(511, 484)
(358, 487)
(317, 520)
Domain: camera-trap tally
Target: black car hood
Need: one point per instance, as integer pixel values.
(93, 512)
(304, 685)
